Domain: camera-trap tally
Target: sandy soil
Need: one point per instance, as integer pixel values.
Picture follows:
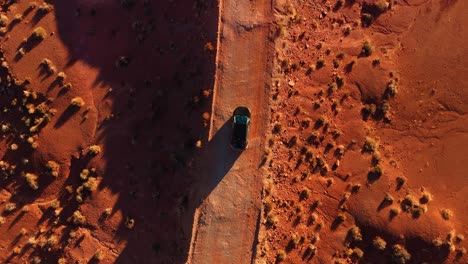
(144, 71)
(109, 151)
(350, 120)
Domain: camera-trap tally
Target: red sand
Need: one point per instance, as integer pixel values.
(146, 126)
(145, 72)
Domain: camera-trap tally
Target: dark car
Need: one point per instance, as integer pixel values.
(240, 128)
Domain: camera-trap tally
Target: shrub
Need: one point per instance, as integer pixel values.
(53, 168)
(367, 49)
(366, 19)
(277, 128)
(90, 184)
(77, 102)
(375, 173)
(9, 207)
(305, 193)
(94, 150)
(354, 234)
(320, 63)
(38, 34)
(355, 188)
(61, 77)
(357, 253)
(280, 255)
(99, 254)
(394, 211)
(3, 20)
(370, 145)
(446, 214)
(129, 223)
(400, 255)
(48, 66)
(401, 180)
(31, 180)
(460, 252)
(45, 8)
(84, 174)
(341, 218)
(78, 218)
(271, 220)
(392, 89)
(408, 203)
(311, 250)
(425, 198)
(379, 243)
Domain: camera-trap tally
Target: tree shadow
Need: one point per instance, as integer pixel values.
(150, 145)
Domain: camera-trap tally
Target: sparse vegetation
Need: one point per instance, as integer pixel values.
(3, 20)
(370, 145)
(375, 173)
(38, 34)
(77, 102)
(305, 193)
(31, 180)
(45, 8)
(99, 254)
(129, 223)
(379, 243)
(426, 197)
(78, 218)
(367, 49)
(9, 207)
(400, 255)
(94, 150)
(401, 180)
(354, 234)
(281, 255)
(446, 214)
(53, 168)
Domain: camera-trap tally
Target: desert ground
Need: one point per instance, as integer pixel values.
(115, 121)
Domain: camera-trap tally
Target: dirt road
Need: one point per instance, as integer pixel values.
(226, 222)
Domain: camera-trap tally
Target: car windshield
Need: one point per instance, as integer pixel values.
(241, 119)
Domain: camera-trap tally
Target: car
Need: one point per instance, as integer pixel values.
(240, 128)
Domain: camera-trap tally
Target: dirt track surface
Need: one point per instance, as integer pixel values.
(227, 221)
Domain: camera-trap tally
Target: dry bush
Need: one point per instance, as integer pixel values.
(354, 234)
(77, 102)
(367, 49)
(99, 254)
(3, 20)
(53, 168)
(446, 214)
(425, 198)
(94, 150)
(38, 34)
(370, 145)
(401, 180)
(31, 180)
(129, 223)
(379, 243)
(281, 255)
(78, 218)
(305, 193)
(271, 220)
(48, 66)
(9, 207)
(90, 184)
(45, 8)
(400, 255)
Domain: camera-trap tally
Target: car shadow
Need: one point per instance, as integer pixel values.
(216, 158)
